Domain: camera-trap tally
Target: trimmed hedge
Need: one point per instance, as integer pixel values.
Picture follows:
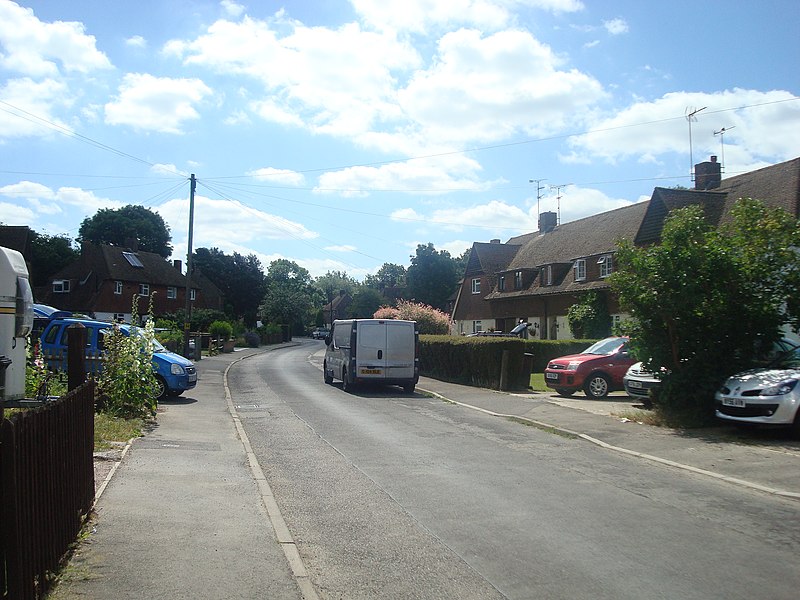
(477, 361)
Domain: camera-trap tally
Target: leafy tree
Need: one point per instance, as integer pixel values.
(389, 275)
(461, 263)
(589, 318)
(240, 278)
(290, 298)
(432, 276)
(116, 226)
(365, 302)
(50, 254)
(706, 303)
(334, 282)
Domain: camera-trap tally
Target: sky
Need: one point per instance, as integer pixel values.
(341, 134)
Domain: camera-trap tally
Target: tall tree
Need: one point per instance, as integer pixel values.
(290, 298)
(365, 302)
(705, 302)
(432, 276)
(334, 282)
(389, 275)
(117, 226)
(240, 278)
(50, 254)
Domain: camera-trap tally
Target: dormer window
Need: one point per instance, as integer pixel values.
(517, 280)
(579, 268)
(501, 283)
(606, 263)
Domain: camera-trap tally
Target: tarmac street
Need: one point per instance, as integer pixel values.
(190, 511)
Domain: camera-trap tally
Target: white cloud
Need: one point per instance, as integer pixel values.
(278, 176)
(14, 214)
(767, 128)
(342, 248)
(616, 26)
(33, 48)
(168, 169)
(46, 201)
(489, 88)
(234, 9)
(156, 103)
(136, 41)
(28, 107)
(421, 15)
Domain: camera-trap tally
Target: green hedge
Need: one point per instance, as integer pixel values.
(476, 360)
(473, 361)
(545, 350)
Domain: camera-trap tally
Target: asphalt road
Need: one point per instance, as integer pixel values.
(395, 496)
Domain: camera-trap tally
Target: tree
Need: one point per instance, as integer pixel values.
(290, 298)
(705, 303)
(365, 302)
(432, 276)
(240, 278)
(389, 275)
(117, 227)
(589, 318)
(50, 254)
(334, 282)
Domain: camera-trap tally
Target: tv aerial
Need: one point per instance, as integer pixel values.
(690, 116)
(721, 134)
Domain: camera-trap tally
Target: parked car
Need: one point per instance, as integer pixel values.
(638, 381)
(597, 370)
(766, 396)
(319, 333)
(174, 373)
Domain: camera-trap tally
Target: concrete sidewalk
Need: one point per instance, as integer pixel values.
(768, 461)
(184, 517)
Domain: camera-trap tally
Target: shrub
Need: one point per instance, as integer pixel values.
(429, 320)
(252, 339)
(221, 329)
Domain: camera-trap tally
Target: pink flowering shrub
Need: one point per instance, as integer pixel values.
(429, 320)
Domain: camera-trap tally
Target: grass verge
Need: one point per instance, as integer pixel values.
(109, 431)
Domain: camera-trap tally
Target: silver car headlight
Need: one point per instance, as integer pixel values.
(784, 387)
(573, 365)
(176, 369)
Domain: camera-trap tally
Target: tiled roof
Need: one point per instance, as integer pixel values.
(490, 258)
(591, 236)
(778, 185)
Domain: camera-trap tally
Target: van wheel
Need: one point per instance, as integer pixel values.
(346, 387)
(327, 378)
(162, 391)
(597, 386)
(409, 389)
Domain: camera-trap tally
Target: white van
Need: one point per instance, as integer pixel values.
(372, 350)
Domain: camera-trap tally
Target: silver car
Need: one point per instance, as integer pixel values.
(638, 382)
(768, 396)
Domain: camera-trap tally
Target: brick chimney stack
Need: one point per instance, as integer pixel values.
(708, 174)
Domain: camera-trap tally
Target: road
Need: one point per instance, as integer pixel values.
(396, 496)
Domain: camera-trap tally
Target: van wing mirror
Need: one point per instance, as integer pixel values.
(328, 340)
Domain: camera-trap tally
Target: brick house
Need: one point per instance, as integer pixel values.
(548, 271)
(105, 279)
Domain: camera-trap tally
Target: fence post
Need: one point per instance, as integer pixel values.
(76, 359)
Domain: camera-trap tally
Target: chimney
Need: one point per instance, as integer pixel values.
(708, 175)
(132, 244)
(547, 222)
(178, 265)
(494, 241)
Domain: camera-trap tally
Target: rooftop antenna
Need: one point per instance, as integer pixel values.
(539, 189)
(558, 189)
(690, 116)
(721, 134)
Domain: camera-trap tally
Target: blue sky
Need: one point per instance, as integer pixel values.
(341, 134)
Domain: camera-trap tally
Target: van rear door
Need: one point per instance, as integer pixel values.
(371, 354)
(400, 346)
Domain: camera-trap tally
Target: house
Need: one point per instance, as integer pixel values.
(337, 308)
(105, 279)
(548, 271)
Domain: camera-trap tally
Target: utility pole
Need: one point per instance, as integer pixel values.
(539, 189)
(188, 313)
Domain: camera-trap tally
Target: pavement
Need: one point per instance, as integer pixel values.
(153, 535)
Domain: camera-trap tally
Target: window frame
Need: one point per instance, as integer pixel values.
(606, 263)
(118, 287)
(476, 285)
(172, 292)
(579, 269)
(144, 290)
(61, 286)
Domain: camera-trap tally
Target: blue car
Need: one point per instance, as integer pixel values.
(174, 373)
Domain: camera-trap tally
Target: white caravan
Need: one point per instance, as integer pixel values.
(372, 351)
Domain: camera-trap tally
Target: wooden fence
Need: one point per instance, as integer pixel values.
(46, 489)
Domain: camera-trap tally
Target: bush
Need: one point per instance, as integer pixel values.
(429, 320)
(221, 329)
(252, 339)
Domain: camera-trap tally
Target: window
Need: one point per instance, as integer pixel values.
(477, 326)
(517, 280)
(548, 271)
(60, 286)
(117, 287)
(119, 317)
(193, 294)
(476, 286)
(133, 260)
(501, 283)
(144, 289)
(580, 269)
(606, 263)
(172, 293)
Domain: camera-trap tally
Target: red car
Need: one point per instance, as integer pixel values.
(597, 370)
